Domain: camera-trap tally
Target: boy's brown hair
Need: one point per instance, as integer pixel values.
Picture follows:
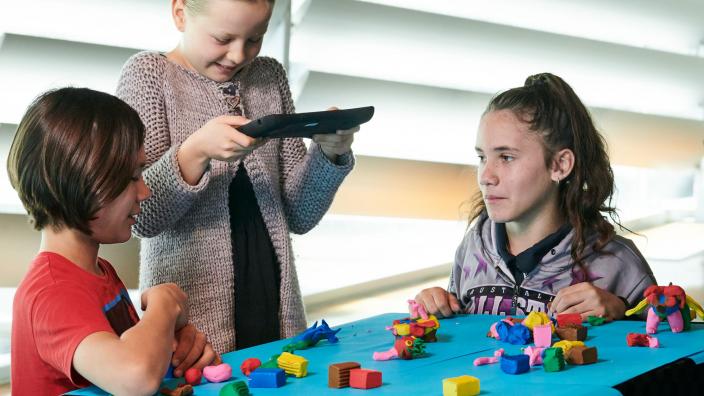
(74, 151)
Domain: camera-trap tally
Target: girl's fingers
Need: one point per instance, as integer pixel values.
(348, 131)
(233, 120)
(441, 301)
(454, 303)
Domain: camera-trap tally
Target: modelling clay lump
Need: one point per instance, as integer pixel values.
(250, 365)
(406, 348)
(339, 374)
(219, 373)
(669, 303)
(646, 340)
(311, 336)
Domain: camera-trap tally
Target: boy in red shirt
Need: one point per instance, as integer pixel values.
(76, 163)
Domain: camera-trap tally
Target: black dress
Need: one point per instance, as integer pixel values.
(257, 271)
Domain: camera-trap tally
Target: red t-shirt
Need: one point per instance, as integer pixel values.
(58, 305)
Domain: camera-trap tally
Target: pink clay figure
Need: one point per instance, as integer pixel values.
(653, 342)
(388, 355)
(417, 310)
(535, 354)
(480, 361)
(676, 322)
(674, 319)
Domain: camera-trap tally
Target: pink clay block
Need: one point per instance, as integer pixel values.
(219, 373)
(542, 335)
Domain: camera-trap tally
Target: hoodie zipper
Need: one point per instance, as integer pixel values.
(516, 289)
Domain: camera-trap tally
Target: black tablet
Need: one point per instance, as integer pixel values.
(307, 124)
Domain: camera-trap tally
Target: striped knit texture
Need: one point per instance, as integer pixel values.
(184, 229)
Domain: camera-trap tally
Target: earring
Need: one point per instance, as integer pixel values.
(557, 181)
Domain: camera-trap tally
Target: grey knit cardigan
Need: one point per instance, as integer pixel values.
(185, 229)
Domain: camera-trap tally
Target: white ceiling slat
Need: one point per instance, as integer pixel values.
(387, 43)
(144, 24)
(439, 125)
(30, 66)
(670, 26)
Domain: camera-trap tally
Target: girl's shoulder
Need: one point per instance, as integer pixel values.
(624, 248)
(149, 63)
(479, 235)
(263, 68)
(622, 253)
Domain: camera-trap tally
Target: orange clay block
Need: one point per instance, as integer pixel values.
(572, 332)
(582, 355)
(464, 385)
(339, 374)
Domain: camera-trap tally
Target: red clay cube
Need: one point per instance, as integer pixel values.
(365, 379)
(568, 319)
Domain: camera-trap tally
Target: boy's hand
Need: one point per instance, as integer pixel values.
(437, 301)
(167, 296)
(334, 145)
(191, 349)
(588, 300)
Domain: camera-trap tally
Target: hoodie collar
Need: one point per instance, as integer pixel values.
(550, 263)
(526, 261)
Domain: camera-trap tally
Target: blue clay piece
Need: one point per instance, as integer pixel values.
(515, 364)
(267, 378)
(502, 329)
(518, 334)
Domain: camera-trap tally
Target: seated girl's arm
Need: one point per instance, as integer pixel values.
(309, 180)
(588, 300)
(623, 277)
(135, 362)
(141, 86)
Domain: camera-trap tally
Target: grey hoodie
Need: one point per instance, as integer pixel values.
(483, 283)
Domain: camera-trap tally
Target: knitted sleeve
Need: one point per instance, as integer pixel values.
(309, 180)
(141, 85)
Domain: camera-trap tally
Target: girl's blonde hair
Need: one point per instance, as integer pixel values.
(196, 7)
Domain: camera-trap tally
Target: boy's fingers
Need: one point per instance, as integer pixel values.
(194, 354)
(207, 358)
(186, 337)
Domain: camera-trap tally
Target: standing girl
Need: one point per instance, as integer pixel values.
(539, 239)
(223, 203)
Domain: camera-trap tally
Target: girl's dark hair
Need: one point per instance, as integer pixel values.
(552, 110)
(75, 150)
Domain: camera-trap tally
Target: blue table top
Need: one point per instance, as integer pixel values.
(461, 339)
